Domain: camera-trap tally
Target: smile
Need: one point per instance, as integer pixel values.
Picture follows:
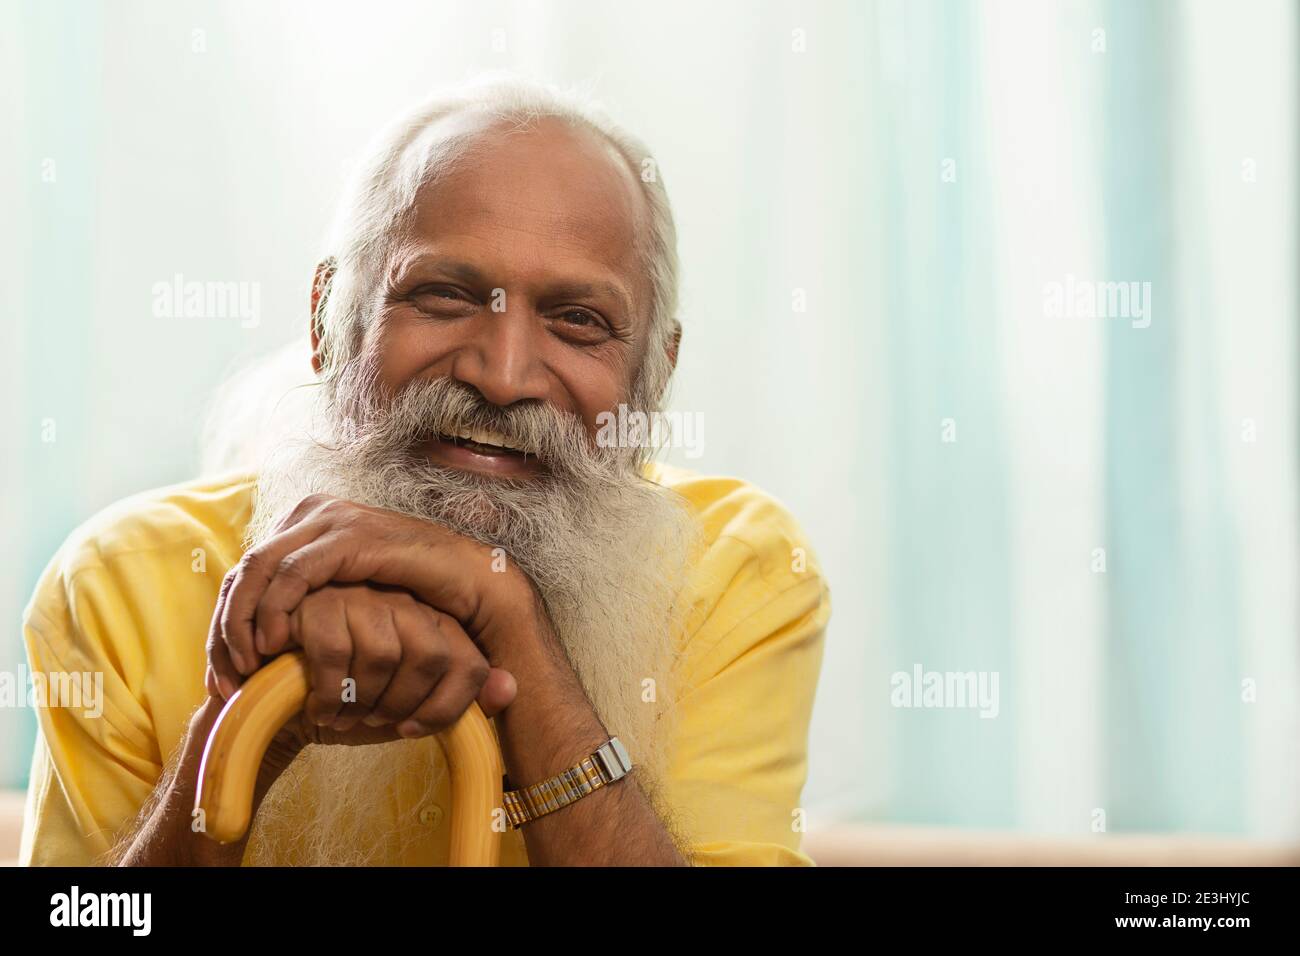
(484, 441)
(483, 452)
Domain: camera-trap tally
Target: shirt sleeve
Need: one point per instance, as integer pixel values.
(741, 758)
(96, 760)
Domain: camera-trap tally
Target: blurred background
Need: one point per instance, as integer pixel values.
(877, 203)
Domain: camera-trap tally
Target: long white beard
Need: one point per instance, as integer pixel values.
(608, 551)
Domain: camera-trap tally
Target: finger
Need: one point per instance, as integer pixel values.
(292, 578)
(445, 575)
(498, 692)
(358, 736)
(451, 698)
(224, 672)
(322, 631)
(426, 636)
(250, 577)
(376, 655)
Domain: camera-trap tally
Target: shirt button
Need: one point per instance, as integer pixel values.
(431, 815)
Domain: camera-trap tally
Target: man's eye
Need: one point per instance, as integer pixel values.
(438, 297)
(580, 317)
(439, 292)
(580, 326)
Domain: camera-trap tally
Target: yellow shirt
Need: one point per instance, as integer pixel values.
(130, 595)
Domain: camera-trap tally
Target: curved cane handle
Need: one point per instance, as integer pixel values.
(257, 711)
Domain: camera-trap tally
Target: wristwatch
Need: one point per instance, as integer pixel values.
(609, 763)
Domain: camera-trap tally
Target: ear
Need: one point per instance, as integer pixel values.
(675, 344)
(320, 287)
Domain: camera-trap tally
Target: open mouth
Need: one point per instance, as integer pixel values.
(484, 442)
(483, 451)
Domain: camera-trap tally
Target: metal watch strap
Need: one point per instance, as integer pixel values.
(609, 763)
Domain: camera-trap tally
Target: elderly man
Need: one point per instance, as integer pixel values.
(450, 527)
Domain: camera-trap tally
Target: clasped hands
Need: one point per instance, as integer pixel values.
(400, 620)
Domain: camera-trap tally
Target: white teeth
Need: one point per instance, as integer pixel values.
(487, 437)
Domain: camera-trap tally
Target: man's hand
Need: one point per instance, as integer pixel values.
(413, 668)
(326, 540)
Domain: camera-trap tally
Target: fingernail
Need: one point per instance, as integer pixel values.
(260, 640)
(227, 687)
(410, 728)
(371, 720)
(340, 725)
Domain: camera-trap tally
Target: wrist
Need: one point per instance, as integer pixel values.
(519, 637)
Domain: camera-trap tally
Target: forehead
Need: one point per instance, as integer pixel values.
(550, 196)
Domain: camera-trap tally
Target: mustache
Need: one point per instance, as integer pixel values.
(428, 408)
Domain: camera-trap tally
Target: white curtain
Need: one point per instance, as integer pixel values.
(872, 198)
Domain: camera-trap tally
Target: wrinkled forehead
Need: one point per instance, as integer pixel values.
(549, 194)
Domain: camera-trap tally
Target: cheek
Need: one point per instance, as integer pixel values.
(597, 387)
(402, 350)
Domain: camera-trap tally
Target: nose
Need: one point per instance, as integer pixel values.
(502, 359)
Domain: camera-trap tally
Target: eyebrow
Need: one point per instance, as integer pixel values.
(454, 268)
(471, 274)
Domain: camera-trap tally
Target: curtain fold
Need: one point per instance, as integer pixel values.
(903, 228)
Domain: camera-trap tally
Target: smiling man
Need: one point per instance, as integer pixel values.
(448, 528)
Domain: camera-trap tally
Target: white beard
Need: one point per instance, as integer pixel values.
(608, 551)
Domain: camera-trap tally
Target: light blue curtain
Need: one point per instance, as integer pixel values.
(1176, 755)
(947, 535)
(53, 135)
(1128, 672)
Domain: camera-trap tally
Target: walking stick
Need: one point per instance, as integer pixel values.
(257, 711)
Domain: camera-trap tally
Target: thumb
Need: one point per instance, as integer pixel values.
(498, 692)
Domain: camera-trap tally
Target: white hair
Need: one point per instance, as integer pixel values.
(420, 147)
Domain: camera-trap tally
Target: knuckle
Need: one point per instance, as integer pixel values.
(430, 662)
(291, 566)
(252, 563)
(380, 659)
(478, 672)
(310, 503)
(329, 654)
